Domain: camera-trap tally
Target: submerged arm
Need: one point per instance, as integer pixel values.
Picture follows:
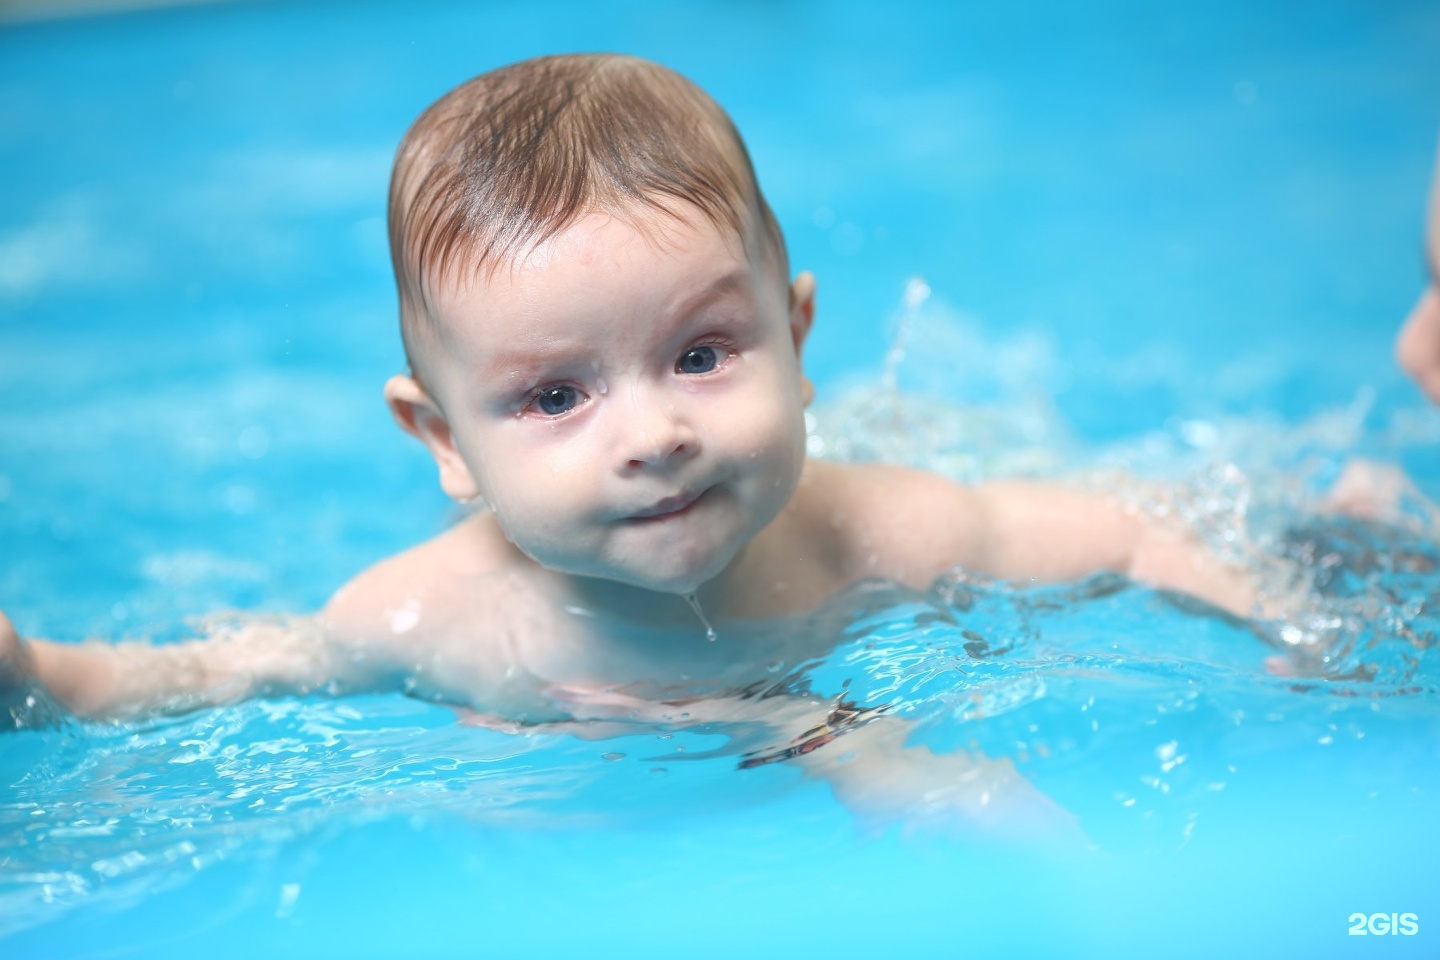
(97, 680)
(864, 756)
(860, 752)
(881, 780)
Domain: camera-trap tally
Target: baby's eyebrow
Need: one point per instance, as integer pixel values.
(731, 282)
(516, 369)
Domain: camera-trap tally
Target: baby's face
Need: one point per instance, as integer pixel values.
(628, 402)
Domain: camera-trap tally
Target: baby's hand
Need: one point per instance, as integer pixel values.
(1380, 493)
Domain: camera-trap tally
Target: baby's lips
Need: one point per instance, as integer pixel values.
(668, 506)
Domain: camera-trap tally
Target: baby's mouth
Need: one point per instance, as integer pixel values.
(669, 507)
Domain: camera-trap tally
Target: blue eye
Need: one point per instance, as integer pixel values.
(553, 401)
(701, 359)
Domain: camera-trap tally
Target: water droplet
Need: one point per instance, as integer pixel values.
(694, 602)
(404, 619)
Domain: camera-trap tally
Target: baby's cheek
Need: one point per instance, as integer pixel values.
(540, 536)
(779, 443)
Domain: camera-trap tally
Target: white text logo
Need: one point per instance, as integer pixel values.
(1380, 924)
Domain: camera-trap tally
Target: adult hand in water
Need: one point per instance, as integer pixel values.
(1418, 347)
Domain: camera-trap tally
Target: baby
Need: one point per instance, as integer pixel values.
(605, 356)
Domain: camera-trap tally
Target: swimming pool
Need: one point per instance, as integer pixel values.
(1162, 236)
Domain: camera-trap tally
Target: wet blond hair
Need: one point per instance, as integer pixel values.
(515, 156)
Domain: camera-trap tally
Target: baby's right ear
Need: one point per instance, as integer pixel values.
(421, 417)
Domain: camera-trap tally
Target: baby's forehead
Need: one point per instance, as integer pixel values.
(633, 240)
(672, 230)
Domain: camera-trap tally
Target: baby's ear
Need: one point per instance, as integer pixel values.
(802, 315)
(421, 417)
(802, 308)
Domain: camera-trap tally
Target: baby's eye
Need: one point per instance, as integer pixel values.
(701, 358)
(555, 400)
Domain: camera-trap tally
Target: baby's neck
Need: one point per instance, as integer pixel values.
(678, 614)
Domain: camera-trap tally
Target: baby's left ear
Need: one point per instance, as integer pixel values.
(802, 315)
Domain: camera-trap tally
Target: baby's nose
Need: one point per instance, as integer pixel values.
(654, 432)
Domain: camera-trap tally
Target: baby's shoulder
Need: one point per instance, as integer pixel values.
(899, 523)
(459, 616)
(884, 494)
(387, 598)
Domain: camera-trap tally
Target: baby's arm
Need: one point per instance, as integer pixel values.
(918, 525)
(1047, 532)
(369, 636)
(98, 680)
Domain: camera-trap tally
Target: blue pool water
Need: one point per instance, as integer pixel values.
(1160, 237)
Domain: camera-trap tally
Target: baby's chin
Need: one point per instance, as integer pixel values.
(680, 582)
(678, 577)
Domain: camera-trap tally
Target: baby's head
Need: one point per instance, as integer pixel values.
(511, 158)
(594, 302)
